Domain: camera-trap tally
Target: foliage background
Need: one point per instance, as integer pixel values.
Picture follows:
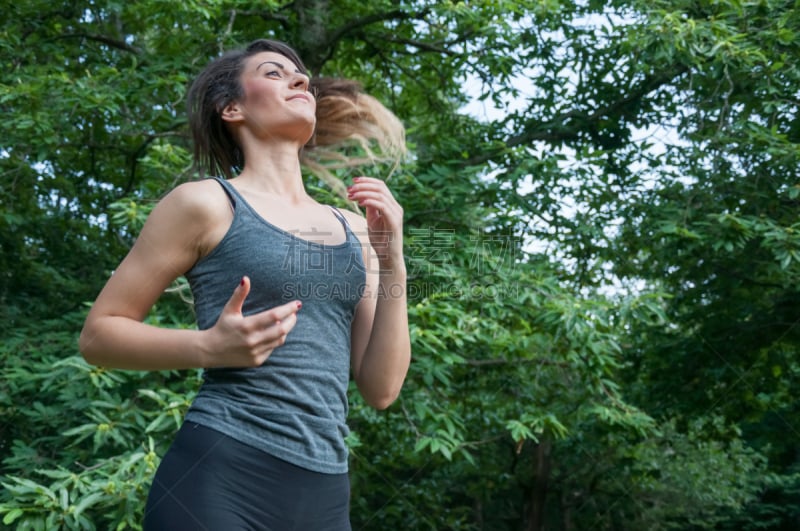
(604, 254)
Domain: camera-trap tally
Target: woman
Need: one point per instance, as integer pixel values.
(291, 297)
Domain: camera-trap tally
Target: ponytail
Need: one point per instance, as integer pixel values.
(353, 130)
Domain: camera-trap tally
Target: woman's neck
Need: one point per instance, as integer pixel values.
(273, 168)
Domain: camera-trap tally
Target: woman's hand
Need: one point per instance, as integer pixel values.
(384, 219)
(237, 340)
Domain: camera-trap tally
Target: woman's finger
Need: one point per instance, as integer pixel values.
(267, 318)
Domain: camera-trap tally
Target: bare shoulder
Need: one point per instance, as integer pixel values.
(196, 211)
(358, 223)
(197, 198)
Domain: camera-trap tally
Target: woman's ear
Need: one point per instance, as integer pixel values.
(232, 112)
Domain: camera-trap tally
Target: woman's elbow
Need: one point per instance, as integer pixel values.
(383, 400)
(87, 345)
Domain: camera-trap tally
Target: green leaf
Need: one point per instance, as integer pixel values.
(12, 515)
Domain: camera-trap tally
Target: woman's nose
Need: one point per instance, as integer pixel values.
(300, 81)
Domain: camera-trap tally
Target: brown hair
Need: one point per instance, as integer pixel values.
(347, 117)
(348, 120)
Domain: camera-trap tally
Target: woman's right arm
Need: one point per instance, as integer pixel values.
(184, 226)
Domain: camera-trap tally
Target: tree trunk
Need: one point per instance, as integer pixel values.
(541, 474)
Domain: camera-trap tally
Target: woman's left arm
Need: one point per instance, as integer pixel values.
(381, 346)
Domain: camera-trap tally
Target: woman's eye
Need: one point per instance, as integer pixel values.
(274, 73)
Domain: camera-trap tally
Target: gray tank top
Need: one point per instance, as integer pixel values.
(294, 406)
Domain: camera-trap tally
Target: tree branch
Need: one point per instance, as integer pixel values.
(358, 23)
(114, 43)
(420, 45)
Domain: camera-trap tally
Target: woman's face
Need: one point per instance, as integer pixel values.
(276, 101)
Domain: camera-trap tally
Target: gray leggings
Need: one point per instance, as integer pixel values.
(210, 482)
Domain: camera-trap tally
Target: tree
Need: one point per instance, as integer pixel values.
(603, 325)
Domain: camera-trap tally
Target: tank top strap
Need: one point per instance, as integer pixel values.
(229, 190)
(341, 219)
